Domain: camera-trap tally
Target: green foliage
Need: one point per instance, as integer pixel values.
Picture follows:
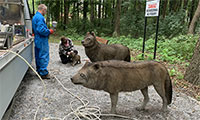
(173, 24)
(132, 23)
(175, 82)
(176, 20)
(81, 27)
(147, 56)
(70, 33)
(198, 98)
(139, 57)
(172, 72)
(173, 50)
(180, 76)
(181, 47)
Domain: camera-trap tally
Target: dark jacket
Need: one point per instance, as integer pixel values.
(64, 49)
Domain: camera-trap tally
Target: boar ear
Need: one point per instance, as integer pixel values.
(92, 33)
(86, 63)
(96, 66)
(87, 33)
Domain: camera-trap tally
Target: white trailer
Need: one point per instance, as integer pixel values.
(15, 14)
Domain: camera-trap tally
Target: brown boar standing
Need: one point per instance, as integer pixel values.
(100, 52)
(115, 76)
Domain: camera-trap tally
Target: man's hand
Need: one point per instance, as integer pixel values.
(51, 31)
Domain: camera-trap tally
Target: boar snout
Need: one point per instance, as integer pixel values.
(75, 81)
(82, 41)
(72, 80)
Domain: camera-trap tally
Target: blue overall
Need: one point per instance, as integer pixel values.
(41, 43)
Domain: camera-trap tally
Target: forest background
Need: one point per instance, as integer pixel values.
(122, 21)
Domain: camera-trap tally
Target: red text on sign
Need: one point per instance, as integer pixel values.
(152, 5)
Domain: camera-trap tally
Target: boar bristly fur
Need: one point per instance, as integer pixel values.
(114, 76)
(100, 52)
(76, 59)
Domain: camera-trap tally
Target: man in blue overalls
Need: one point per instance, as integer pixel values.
(41, 33)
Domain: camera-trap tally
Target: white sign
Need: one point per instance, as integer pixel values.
(152, 8)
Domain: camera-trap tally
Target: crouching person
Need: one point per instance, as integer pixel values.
(65, 48)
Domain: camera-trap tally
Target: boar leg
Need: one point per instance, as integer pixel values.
(114, 98)
(73, 63)
(161, 91)
(146, 98)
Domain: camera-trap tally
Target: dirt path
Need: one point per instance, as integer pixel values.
(57, 101)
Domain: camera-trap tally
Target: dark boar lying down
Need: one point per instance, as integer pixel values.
(100, 52)
(116, 76)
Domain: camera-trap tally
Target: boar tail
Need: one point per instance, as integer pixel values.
(168, 89)
(128, 57)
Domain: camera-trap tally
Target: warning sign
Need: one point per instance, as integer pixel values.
(152, 8)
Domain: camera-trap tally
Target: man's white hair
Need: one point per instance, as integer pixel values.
(42, 6)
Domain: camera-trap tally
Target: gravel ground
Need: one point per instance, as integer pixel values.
(57, 100)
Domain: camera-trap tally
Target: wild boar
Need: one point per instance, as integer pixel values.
(114, 76)
(75, 58)
(100, 52)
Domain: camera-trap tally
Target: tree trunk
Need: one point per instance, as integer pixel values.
(99, 10)
(164, 8)
(57, 12)
(194, 20)
(92, 12)
(117, 20)
(66, 11)
(85, 9)
(185, 7)
(108, 11)
(48, 15)
(61, 11)
(99, 13)
(193, 71)
(191, 11)
(177, 6)
(125, 8)
(113, 13)
(74, 11)
(103, 9)
(185, 4)
(171, 4)
(95, 9)
(77, 7)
